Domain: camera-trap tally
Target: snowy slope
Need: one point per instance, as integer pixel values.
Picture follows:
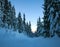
(10, 34)
(10, 38)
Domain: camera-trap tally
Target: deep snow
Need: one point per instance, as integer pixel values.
(10, 38)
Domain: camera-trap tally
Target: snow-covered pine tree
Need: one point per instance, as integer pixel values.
(1, 11)
(9, 15)
(52, 11)
(6, 10)
(30, 34)
(26, 28)
(29, 26)
(39, 27)
(19, 24)
(46, 18)
(9, 18)
(13, 18)
(55, 17)
(24, 23)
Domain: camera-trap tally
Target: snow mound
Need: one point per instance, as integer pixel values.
(7, 34)
(10, 38)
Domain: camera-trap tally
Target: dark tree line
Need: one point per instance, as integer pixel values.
(10, 21)
(49, 27)
(51, 20)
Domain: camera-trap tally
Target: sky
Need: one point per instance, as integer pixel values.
(33, 9)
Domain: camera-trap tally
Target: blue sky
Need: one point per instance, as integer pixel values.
(32, 9)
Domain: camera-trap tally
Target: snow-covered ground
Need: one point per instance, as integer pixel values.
(10, 38)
